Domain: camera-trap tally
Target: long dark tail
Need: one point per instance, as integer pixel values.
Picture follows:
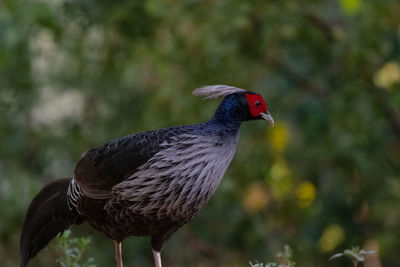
(47, 216)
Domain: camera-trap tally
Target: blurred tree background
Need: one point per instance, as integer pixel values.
(77, 73)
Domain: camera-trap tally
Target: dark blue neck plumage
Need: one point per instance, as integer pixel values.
(227, 114)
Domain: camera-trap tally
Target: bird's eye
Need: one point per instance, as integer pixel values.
(257, 103)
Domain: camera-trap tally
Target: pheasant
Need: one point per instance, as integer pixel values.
(145, 184)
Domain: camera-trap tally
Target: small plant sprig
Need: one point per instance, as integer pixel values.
(285, 259)
(355, 254)
(73, 249)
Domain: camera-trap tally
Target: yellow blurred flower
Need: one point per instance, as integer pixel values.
(350, 6)
(278, 137)
(280, 178)
(332, 236)
(256, 198)
(305, 193)
(388, 75)
(279, 170)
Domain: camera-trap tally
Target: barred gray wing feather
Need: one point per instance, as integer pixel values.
(103, 167)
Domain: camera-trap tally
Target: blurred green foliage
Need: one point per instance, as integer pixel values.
(73, 251)
(284, 259)
(75, 74)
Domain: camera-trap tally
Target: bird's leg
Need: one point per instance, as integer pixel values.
(118, 253)
(157, 258)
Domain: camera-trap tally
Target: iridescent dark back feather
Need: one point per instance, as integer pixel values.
(103, 167)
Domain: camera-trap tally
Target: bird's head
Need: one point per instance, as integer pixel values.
(237, 104)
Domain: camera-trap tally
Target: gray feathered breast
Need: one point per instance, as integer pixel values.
(180, 179)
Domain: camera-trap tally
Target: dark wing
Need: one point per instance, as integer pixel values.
(103, 167)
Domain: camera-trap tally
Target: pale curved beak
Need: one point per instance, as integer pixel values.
(266, 116)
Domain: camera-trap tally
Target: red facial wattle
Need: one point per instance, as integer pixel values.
(256, 104)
